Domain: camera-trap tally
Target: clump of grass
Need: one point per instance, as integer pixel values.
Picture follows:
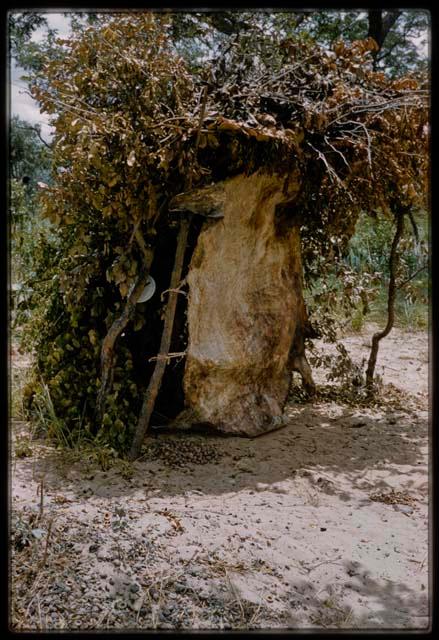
(46, 418)
(126, 469)
(413, 315)
(105, 456)
(23, 447)
(333, 613)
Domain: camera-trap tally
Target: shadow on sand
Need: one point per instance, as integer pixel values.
(350, 444)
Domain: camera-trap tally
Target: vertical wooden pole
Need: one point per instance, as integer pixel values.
(159, 370)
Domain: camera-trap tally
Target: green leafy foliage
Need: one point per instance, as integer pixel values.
(348, 288)
(401, 51)
(29, 163)
(28, 155)
(21, 28)
(368, 252)
(109, 176)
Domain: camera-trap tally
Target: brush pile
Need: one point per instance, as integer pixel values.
(135, 127)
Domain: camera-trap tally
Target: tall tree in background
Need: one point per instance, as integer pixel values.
(21, 28)
(29, 163)
(29, 153)
(400, 34)
(393, 31)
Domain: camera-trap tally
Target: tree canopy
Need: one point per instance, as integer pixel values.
(118, 108)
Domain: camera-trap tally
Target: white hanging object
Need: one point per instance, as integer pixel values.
(147, 292)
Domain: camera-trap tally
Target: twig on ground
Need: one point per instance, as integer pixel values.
(333, 561)
(49, 531)
(40, 492)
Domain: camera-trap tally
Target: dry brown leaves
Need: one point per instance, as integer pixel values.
(393, 497)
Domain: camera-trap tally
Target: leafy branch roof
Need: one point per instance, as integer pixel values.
(127, 109)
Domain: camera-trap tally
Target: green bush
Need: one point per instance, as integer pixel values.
(352, 289)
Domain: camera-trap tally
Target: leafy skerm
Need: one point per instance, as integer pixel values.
(126, 111)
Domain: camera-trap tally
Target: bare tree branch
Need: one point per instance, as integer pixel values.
(377, 337)
(37, 131)
(417, 272)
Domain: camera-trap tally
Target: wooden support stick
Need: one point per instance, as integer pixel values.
(163, 355)
(159, 370)
(107, 351)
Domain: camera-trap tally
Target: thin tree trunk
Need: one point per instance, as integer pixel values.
(390, 303)
(107, 351)
(379, 27)
(159, 370)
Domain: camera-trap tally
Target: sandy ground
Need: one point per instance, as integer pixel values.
(320, 524)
